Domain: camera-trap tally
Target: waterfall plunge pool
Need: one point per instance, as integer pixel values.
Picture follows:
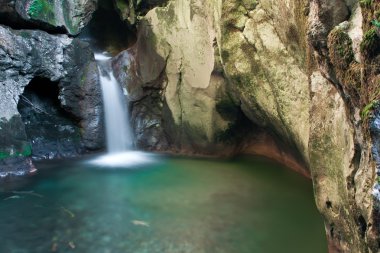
(167, 205)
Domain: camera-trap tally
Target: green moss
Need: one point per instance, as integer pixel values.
(370, 44)
(25, 151)
(42, 10)
(122, 5)
(340, 48)
(241, 80)
(368, 109)
(366, 3)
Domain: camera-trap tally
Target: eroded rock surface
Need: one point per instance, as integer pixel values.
(26, 54)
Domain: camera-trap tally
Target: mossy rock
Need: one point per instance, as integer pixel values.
(370, 45)
(366, 3)
(42, 10)
(340, 48)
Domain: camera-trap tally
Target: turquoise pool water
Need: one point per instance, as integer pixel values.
(245, 205)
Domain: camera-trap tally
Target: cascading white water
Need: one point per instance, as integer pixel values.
(118, 132)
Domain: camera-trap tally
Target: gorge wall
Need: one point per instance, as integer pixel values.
(294, 80)
(227, 77)
(32, 122)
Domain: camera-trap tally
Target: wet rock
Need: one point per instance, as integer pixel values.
(14, 147)
(56, 15)
(143, 84)
(81, 95)
(27, 54)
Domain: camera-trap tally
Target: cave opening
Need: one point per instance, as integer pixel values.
(52, 132)
(107, 31)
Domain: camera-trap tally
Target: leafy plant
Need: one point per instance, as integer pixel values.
(368, 108)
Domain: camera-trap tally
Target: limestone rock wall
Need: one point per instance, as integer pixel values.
(298, 71)
(174, 59)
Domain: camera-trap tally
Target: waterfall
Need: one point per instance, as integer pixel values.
(118, 132)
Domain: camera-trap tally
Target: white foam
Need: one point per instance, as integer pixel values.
(125, 159)
(101, 57)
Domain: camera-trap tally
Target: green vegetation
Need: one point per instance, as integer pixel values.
(376, 23)
(368, 108)
(26, 151)
(366, 3)
(370, 44)
(340, 48)
(42, 10)
(123, 7)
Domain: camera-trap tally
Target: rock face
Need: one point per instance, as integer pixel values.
(170, 81)
(27, 54)
(71, 15)
(129, 10)
(288, 79)
(267, 66)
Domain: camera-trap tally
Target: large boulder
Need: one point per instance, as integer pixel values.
(69, 63)
(69, 15)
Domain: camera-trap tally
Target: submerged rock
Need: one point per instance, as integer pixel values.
(27, 54)
(69, 15)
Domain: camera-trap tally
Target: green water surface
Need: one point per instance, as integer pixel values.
(172, 205)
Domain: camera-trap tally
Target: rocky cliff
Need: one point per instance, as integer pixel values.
(294, 80)
(50, 62)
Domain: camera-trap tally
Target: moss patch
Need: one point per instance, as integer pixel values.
(347, 70)
(13, 141)
(42, 10)
(340, 48)
(366, 3)
(370, 45)
(25, 151)
(370, 48)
